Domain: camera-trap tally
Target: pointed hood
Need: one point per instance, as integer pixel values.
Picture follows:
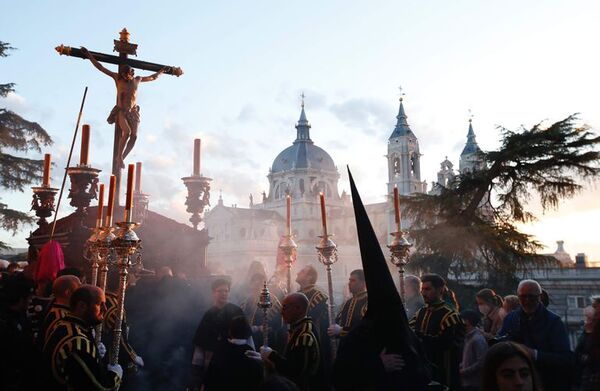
(384, 300)
(384, 328)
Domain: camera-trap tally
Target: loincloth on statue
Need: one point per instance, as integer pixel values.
(132, 115)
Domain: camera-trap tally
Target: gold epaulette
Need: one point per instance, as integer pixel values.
(316, 298)
(450, 319)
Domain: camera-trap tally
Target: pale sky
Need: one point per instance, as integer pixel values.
(246, 63)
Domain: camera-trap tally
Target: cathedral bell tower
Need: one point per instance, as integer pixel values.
(404, 158)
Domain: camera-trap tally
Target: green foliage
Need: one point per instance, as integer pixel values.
(469, 227)
(16, 172)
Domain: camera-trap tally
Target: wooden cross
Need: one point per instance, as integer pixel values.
(124, 48)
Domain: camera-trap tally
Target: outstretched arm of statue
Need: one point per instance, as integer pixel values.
(154, 76)
(97, 64)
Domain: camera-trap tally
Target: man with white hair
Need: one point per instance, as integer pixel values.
(544, 336)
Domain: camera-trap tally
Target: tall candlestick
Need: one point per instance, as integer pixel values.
(85, 145)
(111, 201)
(396, 209)
(100, 205)
(47, 160)
(129, 194)
(323, 215)
(138, 177)
(197, 157)
(288, 221)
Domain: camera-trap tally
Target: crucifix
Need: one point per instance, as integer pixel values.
(125, 115)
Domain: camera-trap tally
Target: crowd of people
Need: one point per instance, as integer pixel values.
(49, 336)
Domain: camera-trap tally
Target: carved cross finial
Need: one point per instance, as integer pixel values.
(470, 115)
(401, 94)
(302, 96)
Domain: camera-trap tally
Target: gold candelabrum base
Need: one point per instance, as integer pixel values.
(399, 248)
(43, 203)
(288, 247)
(265, 304)
(328, 255)
(103, 245)
(92, 255)
(126, 246)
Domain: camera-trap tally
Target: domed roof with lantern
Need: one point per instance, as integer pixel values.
(303, 153)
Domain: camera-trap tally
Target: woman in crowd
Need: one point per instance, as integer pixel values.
(511, 303)
(508, 367)
(490, 306)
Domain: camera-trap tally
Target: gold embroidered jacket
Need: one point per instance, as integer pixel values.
(352, 312)
(72, 357)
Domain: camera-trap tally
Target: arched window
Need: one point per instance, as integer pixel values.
(396, 164)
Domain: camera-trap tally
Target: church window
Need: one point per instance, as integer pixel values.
(277, 191)
(242, 233)
(396, 166)
(301, 186)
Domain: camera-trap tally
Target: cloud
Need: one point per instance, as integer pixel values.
(248, 113)
(16, 103)
(364, 113)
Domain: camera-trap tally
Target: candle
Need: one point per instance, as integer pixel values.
(138, 177)
(85, 145)
(100, 206)
(129, 194)
(197, 157)
(289, 215)
(47, 160)
(323, 215)
(396, 208)
(111, 201)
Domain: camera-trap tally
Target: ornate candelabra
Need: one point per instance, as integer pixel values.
(103, 244)
(126, 246)
(140, 200)
(198, 197)
(327, 255)
(288, 247)
(400, 248)
(91, 253)
(84, 184)
(43, 203)
(264, 304)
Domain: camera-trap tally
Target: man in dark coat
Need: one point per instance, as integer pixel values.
(543, 334)
(353, 309)
(382, 352)
(231, 368)
(441, 331)
(301, 361)
(70, 351)
(213, 330)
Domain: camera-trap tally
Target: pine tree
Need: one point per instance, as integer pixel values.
(16, 171)
(470, 226)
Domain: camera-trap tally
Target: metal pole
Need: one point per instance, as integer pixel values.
(62, 186)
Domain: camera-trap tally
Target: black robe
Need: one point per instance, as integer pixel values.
(230, 369)
(213, 330)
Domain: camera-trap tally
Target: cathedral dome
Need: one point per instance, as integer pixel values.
(303, 153)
